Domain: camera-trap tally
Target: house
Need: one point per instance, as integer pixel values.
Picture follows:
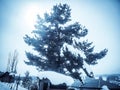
(45, 84)
(5, 77)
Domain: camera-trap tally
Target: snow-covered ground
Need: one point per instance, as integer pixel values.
(5, 86)
(104, 87)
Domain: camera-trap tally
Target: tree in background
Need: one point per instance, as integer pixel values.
(27, 80)
(12, 62)
(60, 44)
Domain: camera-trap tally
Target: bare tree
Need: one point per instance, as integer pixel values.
(12, 62)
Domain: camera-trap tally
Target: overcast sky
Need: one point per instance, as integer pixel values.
(101, 17)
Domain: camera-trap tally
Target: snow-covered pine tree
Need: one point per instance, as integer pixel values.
(53, 39)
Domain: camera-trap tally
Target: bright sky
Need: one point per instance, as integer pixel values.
(101, 17)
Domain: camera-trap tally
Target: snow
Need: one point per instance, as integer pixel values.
(4, 86)
(104, 87)
(21, 88)
(56, 78)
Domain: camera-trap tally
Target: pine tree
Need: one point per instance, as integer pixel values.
(54, 37)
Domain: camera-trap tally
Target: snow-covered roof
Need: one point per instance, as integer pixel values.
(56, 78)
